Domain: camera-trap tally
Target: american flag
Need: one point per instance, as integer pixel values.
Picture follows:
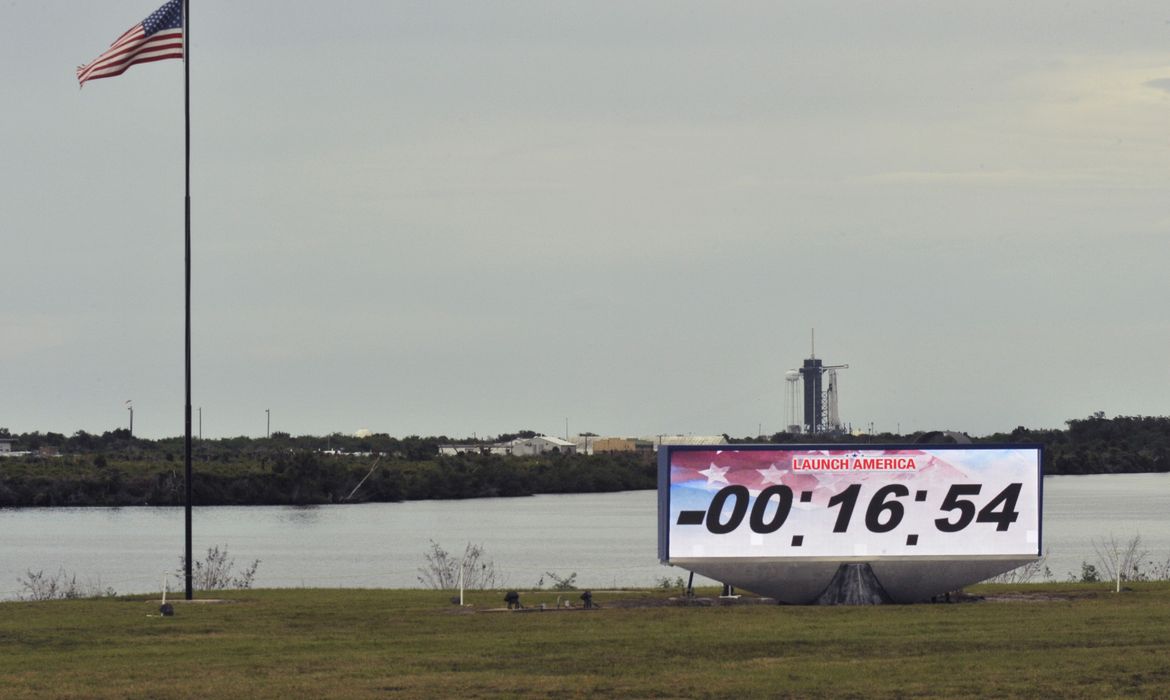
(758, 469)
(156, 38)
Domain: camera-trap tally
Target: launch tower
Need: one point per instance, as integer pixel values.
(820, 405)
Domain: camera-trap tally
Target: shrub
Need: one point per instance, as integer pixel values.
(562, 583)
(58, 586)
(441, 571)
(1027, 573)
(217, 572)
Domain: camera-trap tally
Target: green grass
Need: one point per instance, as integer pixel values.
(1081, 641)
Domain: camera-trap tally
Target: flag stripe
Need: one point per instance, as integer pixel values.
(116, 71)
(154, 39)
(137, 49)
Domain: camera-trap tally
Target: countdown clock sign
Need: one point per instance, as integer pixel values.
(780, 504)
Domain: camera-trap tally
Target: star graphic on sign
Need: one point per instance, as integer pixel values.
(714, 473)
(771, 475)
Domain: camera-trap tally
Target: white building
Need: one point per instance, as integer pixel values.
(660, 440)
(479, 448)
(520, 447)
(542, 444)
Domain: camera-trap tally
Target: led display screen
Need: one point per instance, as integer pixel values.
(808, 502)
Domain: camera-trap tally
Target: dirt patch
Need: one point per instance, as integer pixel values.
(1037, 597)
(636, 602)
(954, 598)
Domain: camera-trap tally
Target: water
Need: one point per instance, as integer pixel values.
(1081, 509)
(609, 540)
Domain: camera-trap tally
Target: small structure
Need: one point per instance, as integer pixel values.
(512, 598)
(476, 448)
(521, 447)
(541, 444)
(6, 444)
(694, 440)
(621, 444)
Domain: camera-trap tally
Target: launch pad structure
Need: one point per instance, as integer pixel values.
(820, 394)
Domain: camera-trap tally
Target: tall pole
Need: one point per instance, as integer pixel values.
(187, 285)
(268, 422)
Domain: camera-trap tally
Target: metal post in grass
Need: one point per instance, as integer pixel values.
(187, 295)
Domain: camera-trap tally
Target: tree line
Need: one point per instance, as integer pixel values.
(118, 469)
(1092, 445)
(305, 477)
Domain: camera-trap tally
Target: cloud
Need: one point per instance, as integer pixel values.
(28, 335)
(1159, 84)
(993, 178)
(925, 177)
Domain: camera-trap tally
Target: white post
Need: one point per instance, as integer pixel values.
(461, 562)
(164, 588)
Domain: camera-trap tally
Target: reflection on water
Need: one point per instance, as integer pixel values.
(299, 515)
(608, 540)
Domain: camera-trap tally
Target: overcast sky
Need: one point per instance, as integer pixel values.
(477, 217)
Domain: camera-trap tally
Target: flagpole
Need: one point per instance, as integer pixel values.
(187, 285)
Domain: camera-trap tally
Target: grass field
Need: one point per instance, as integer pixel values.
(1045, 640)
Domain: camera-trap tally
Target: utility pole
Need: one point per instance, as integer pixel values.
(268, 422)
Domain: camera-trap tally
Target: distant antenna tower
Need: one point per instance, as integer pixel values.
(814, 398)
